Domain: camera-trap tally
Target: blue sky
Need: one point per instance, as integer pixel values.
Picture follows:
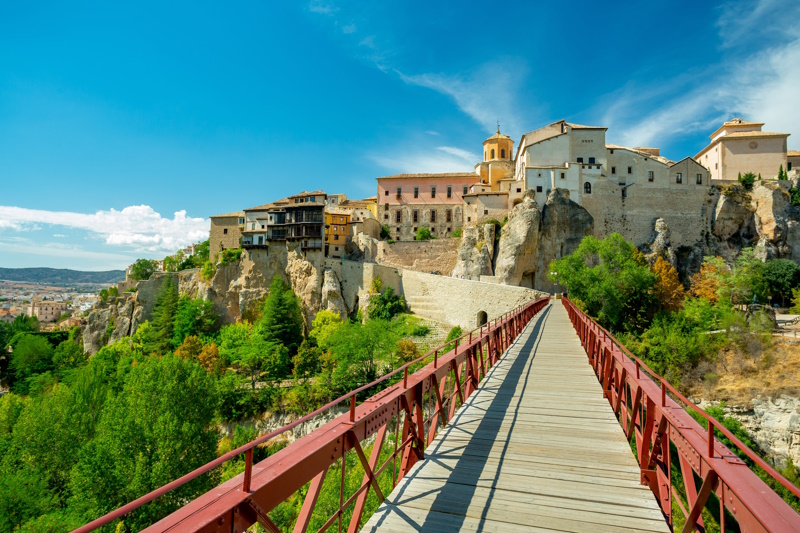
(122, 128)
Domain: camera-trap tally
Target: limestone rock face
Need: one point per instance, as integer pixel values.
(733, 219)
(564, 225)
(660, 245)
(305, 278)
(473, 261)
(109, 323)
(519, 242)
(332, 298)
(774, 424)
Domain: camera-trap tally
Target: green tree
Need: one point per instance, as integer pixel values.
(193, 316)
(25, 324)
(161, 332)
(31, 355)
(385, 232)
(424, 234)
(159, 428)
(324, 324)
(612, 279)
(142, 269)
(68, 355)
(780, 277)
(113, 291)
(233, 340)
(781, 174)
(306, 363)
(386, 305)
(282, 317)
(743, 281)
(359, 348)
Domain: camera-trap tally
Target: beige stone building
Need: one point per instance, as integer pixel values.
(739, 147)
(46, 310)
(226, 233)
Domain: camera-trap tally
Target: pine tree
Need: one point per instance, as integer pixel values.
(781, 173)
(159, 338)
(281, 317)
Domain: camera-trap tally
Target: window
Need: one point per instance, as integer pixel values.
(336, 248)
(399, 216)
(503, 153)
(788, 167)
(591, 160)
(492, 153)
(448, 230)
(415, 215)
(678, 178)
(580, 160)
(335, 229)
(335, 237)
(449, 191)
(538, 188)
(448, 215)
(433, 192)
(469, 219)
(650, 175)
(386, 216)
(700, 179)
(433, 215)
(385, 193)
(563, 176)
(466, 189)
(416, 192)
(399, 191)
(624, 192)
(630, 170)
(241, 219)
(519, 189)
(485, 211)
(587, 188)
(613, 170)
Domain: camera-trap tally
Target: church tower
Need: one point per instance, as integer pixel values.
(497, 161)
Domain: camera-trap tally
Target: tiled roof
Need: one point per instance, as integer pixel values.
(227, 215)
(793, 153)
(583, 127)
(742, 134)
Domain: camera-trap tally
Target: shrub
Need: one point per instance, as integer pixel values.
(456, 233)
(406, 350)
(424, 234)
(747, 180)
(386, 305)
(230, 256)
(385, 233)
(208, 270)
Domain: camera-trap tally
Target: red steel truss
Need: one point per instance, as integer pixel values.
(413, 409)
(647, 408)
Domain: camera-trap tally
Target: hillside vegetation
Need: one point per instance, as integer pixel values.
(60, 276)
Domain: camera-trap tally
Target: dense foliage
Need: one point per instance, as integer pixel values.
(81, 436)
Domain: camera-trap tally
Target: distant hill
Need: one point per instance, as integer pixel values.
(61, 276)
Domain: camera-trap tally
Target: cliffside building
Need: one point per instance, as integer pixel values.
(739, 146)
(337, 222)
(226, 233)
(298, 218)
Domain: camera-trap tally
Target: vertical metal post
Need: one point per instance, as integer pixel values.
(352, 408)
(663, 394)
(436, 359)
(710, 440)
(248, 469)
(405, 378)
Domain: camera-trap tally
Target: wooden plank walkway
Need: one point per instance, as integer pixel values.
(535, 448)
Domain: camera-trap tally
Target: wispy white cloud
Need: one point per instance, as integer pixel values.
(756, 78)
(349, 28)
(411, 160)
(321, 7)
(55, 254)
(139, 227)
(487, 95)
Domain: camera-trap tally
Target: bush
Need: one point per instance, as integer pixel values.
(420, 330)
(456, 234)
(230, 256)
(208, 270)
(386, 305)
(747, 180)
(385, 233)
(424, 234)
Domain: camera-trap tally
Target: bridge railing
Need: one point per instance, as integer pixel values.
(653, 414)
(412, 410)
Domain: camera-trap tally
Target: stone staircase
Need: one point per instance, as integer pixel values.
(427, 307)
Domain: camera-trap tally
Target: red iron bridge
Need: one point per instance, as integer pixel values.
(538, 421)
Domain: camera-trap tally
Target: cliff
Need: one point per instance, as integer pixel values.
(234, 290)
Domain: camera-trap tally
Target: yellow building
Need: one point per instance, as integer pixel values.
(336, 232)
(497, 161)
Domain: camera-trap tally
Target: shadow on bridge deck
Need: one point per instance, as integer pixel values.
(535, 448)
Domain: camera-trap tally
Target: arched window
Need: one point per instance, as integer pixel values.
(503, 153)
(482, 318)
(587, 188)
(492, 153)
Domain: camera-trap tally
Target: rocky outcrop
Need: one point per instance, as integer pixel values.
(235, 289)
(733, 217)
(660, 245)
(332, 298)
(564, 225)
(774, 425)
(519, 242)
(474, 254)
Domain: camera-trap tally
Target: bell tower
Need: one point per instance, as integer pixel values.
(497, 161)
(498, 147)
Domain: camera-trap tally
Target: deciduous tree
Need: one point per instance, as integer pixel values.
(668, 288)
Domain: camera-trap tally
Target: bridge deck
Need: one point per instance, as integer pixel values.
(535, 448)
